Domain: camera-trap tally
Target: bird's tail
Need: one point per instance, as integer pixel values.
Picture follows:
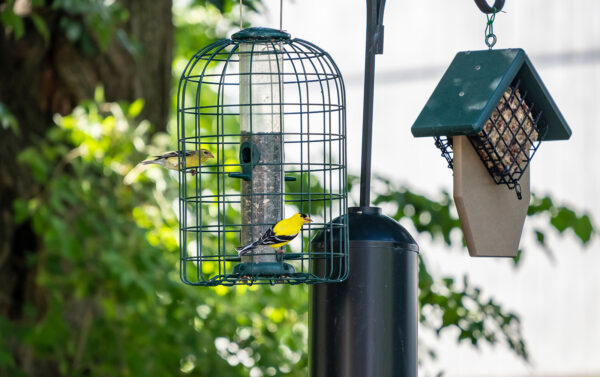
(243, 250)
(148, 162)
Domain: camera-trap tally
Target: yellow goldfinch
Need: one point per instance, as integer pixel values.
(170, 160)
(279, 234)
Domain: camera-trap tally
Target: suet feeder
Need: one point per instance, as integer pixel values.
(488, 116)
(272, 111)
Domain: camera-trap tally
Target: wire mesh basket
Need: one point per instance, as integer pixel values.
(271, 109)
(508, 140)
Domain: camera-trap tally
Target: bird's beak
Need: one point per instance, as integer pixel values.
(307, 220)
(210, 155)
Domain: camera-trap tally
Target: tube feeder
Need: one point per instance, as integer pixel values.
(488, 115)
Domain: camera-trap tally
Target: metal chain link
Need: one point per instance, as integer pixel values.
(490, 37)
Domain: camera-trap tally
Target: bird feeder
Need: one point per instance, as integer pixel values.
(271, 109)
(488, 115)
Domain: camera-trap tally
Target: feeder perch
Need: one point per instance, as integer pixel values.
(272, 111)
(488, 115)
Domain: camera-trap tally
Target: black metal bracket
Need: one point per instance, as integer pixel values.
(485, 8)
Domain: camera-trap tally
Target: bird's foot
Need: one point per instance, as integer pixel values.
(194, 172)
(246, 279)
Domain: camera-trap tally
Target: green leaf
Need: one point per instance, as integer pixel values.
(563, 219)
(13, 21)
(538, 205)
(540, 237)
(21, 208)
(8, 120)
(41, 26)
(99, 94)
(517, 258)
(72, 29)
(584, 229)
(36, 162)
(135, 108)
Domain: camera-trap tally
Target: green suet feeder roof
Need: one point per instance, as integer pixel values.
(475, 82)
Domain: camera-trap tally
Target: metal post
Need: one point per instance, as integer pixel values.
(366, 326)
(374, 45)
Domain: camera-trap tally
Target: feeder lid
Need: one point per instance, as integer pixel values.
(473, 85)
(368, 224)
(260, 33)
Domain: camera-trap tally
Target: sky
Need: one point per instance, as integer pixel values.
(557, 298)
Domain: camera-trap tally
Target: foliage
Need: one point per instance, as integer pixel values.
(444, 303)
(437, 219)
(109, 268)
(108, 262)
(86, 23)
(92, 24)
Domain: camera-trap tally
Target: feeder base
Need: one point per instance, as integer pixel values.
(266, 269)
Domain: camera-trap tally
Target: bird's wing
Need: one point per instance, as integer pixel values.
(270, 238)
(176, 154)
(167, 155)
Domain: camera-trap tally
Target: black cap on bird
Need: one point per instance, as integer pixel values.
(306, 218)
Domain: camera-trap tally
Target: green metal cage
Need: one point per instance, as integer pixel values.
(271, 110)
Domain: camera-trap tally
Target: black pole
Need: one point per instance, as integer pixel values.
(374, 45)
(366, 326)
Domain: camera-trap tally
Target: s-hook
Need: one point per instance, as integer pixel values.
(485, 8)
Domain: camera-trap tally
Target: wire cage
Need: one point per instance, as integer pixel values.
(508, 140)
(271, 109)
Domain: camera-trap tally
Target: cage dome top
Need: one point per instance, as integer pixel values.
(473, 85)
(260, 33)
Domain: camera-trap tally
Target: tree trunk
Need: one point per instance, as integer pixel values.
(38, 79)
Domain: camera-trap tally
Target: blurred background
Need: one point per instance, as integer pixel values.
(89, 279)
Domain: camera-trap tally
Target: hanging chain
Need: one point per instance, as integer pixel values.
(281, 15)
(490, 37)
(241, 18)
